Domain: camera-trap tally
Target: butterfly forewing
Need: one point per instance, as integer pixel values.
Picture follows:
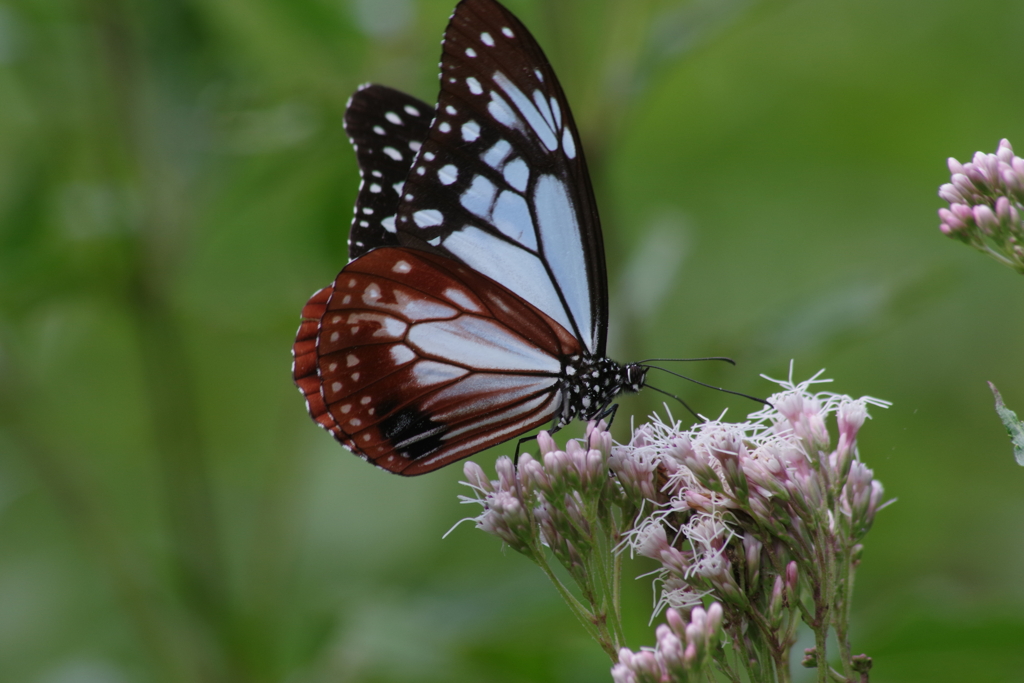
(413, 360)
(387, 129)
(500, 183)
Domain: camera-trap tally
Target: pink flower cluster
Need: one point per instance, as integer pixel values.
(682, 653)
(986, 200)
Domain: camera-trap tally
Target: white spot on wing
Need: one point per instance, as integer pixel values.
(393, 118)
(379, 130)
(448, 174)
(502, 112)
(470, 131)
(388, 224)
(508, 32)
(428, 218)
(375, 188)
(497, 153)
(445, 127)
(400, 355)
(470, 52)
(462, 300)
(401, 267)
(393, 153)
(512, 217)
(517, 174)
(486, 39)
(388, 327)
(557, 111)
(474, 85)
(568, 144)
(411, 110)
(478, 198)
(371, 293)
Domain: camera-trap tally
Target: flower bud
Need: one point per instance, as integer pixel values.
(650, 539)
(670, 647)
(545, 443)
(727, 447)
(698, 501)
(949, 192)
(680, 449)
(698, 464)
(1003, 210)
(792, 576)
(506, 473)
(476, 478)
(948, 218)
(532, 477)
(675, 560)
(752, 557)
(964, 185)
(954, 166)
(676, 621)
(776, 603)
(1005, 151)
(985, 218)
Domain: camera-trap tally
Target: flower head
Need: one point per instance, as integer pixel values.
(986, 202)
(760, 500)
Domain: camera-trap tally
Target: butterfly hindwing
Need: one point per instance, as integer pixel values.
(413, 360)
(500, 182)
(386, 128)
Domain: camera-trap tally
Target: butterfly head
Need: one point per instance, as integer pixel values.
(634, 377)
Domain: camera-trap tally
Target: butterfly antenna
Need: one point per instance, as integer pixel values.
(662, 391)
(730, 361)
(710, 386)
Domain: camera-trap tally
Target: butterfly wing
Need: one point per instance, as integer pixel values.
(386, 128)
(412, 360)
(500, 182)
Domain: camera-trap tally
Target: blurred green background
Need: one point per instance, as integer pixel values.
(175, 182)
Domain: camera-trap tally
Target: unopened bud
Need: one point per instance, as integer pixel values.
(776, 603)
(476, 478)
(752, 556)
(545, 443)
(792, 576)
(506, 473)
(985, 218)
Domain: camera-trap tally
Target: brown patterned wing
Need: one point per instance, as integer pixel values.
(413, 360)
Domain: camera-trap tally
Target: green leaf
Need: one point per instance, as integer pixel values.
(1014, 427)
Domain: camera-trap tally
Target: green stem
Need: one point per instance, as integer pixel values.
(585, 616)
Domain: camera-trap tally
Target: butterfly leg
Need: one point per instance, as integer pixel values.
(607, 414)
(555, 426)
(519, 444)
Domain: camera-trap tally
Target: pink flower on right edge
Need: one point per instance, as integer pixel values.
(986, 201)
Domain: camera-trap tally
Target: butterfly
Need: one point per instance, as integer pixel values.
(474, 307)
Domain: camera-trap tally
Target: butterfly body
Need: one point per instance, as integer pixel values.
(474, 308)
